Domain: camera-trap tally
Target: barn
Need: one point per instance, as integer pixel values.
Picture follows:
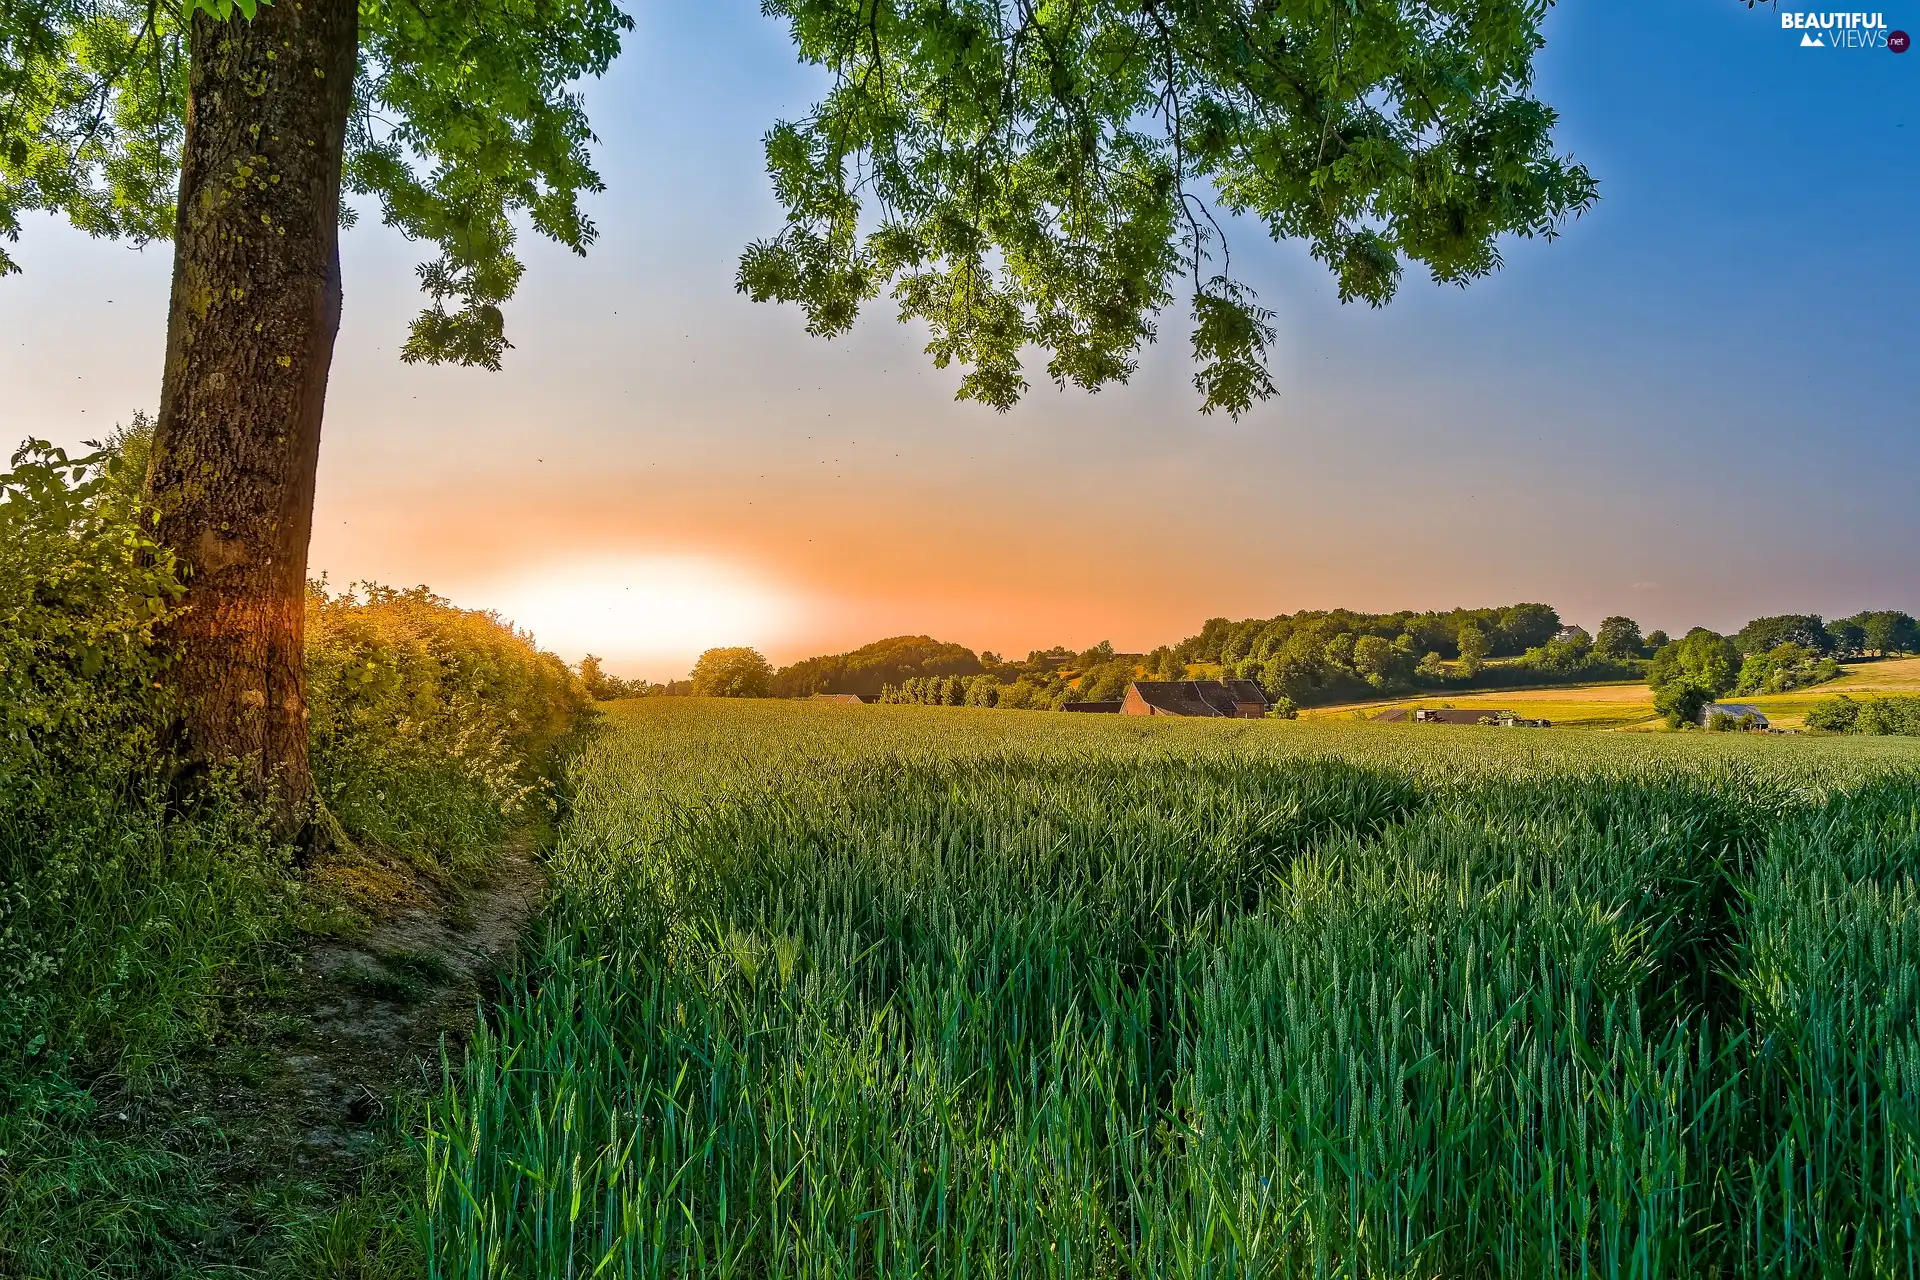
(1229, 699)
(1743, 714)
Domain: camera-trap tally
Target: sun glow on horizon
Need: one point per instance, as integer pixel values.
(646, 615)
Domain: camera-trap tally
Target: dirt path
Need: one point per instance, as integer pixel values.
(285, 1137)
(369, 1014)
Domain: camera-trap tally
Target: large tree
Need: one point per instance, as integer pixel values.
(234, 127)
(1044, 172)
(1018, 172)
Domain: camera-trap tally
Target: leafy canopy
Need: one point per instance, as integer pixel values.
(732, 673)
(1035, 171)
(464, 116)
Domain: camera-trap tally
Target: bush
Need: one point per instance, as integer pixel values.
(1882, 716)
(81, 591)
(1784, 668)
(430, 724)
(1681, 701)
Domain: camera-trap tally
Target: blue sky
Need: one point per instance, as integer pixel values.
(1693, 408)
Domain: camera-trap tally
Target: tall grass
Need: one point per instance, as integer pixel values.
(886, 993)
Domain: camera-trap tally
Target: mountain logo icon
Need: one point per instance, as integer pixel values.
(1812, 41)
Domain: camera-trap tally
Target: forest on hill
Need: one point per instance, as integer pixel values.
(1319, 658)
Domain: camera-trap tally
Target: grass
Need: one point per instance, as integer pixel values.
(1629, 705)
(922, 992)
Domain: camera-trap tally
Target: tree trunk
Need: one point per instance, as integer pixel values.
(250, 332)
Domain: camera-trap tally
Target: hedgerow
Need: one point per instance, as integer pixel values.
(133, 927)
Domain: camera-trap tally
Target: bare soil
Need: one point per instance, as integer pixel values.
(371, 1014)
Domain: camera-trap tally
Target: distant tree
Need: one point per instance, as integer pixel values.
(1340, 649)
(1656, 641)
(982, 691)
(732, 673)
(1164, 664)
(1885, 631)
(1432, 667)
(1849, 638)
(1239, 645)
(1870, 715)
(1783, 668)
(1765, 634)
(1680, 701)
(1562, 656)
(1105, 683)
(1619, 639)
(1834, 715)
(1526, 626)
(1687, 674)
(1099, 653)
(602, 687)
(1373, 658)
(593, 677)
(1473, 649)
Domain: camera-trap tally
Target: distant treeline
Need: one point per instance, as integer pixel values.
(1506, 631)
(1314, 657)
(868, 670)
(1321, 656)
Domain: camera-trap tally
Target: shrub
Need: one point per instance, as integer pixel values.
(1882, 716)
(81, 590)
(430, 723)
(1783, 668)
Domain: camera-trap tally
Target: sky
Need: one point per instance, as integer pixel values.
(1694, 408)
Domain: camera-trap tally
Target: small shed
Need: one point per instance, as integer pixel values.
(1229, 699)
(846, 699)
(1743, 714)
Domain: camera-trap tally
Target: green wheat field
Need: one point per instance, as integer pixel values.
(891, 992)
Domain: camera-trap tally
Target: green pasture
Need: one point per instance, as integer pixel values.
(1617, 705)
(878, 992)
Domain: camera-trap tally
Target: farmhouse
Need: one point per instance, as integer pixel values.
(1232, 699)
(1743, 714)
(849, 699)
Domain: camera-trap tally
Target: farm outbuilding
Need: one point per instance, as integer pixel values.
(1461, 715)
(1443, 715)
(1741, 713)
(1232, 699)
(848, 699)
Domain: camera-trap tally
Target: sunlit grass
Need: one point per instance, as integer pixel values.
(1627, 705)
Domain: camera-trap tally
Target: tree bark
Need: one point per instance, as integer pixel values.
(250, 334)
